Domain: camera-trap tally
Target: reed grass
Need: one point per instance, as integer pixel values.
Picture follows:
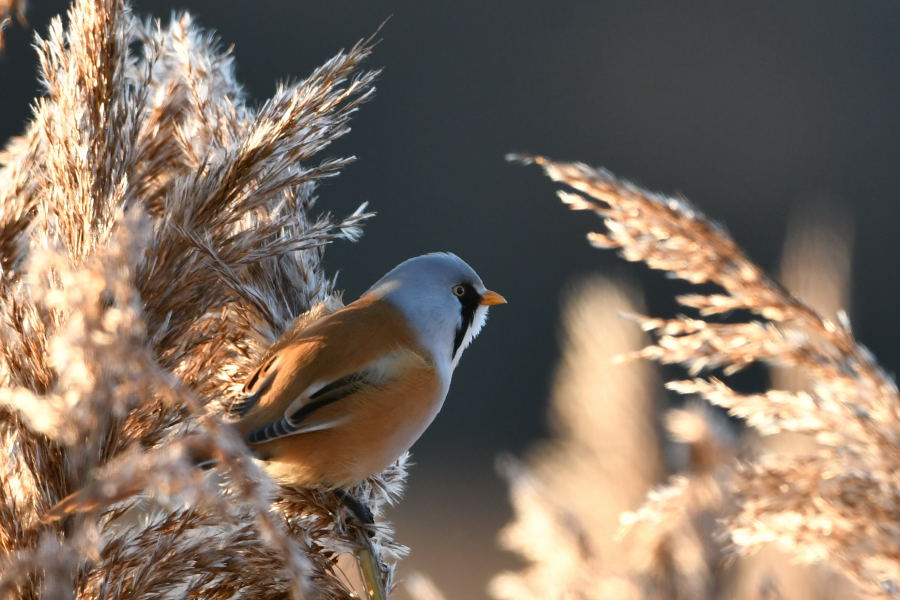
(836, 501)
(157, 233)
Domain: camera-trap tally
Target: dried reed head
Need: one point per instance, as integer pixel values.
(605, 457)
(156, 236)
(838, 504)
(815, 267)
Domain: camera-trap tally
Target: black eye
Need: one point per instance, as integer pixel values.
(459, 290)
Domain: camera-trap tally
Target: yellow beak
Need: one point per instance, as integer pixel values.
(490, 298)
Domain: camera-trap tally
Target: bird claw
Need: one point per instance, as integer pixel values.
(359, 511)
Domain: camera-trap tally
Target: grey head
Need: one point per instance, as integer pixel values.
(443, 299)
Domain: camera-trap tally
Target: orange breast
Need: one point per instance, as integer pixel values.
(381, 424)
(373, 426)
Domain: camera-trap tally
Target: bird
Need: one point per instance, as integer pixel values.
(340, 400)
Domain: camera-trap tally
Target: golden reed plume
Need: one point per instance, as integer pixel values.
(157, 233)
(835, 501)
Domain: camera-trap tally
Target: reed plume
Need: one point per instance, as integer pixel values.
(157, 234)
(600, 463)
(838, 503)
(815, 267)
(606, 454)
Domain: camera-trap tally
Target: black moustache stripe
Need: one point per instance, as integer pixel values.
(469, 304)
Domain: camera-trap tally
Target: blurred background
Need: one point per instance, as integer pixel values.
(755, 111)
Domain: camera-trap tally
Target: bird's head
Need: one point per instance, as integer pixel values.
(443, 299)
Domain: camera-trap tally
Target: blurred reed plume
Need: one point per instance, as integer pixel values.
(420, 587)
(837, 502)
(602, 462)
(156, 235)
(607, 453)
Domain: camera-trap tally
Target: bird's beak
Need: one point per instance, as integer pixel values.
(490, 298)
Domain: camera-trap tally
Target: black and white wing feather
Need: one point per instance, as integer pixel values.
(302, 418)
(258, 384)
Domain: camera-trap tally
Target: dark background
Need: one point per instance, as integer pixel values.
(750, 109)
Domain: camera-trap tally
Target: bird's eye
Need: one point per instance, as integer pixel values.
(459, 290)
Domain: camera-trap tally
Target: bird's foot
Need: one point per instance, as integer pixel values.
(360, 511)
(370, 568)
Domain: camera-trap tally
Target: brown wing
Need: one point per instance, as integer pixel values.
(320, 366)
(308, 413)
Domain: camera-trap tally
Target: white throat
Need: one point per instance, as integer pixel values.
(474, 329)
